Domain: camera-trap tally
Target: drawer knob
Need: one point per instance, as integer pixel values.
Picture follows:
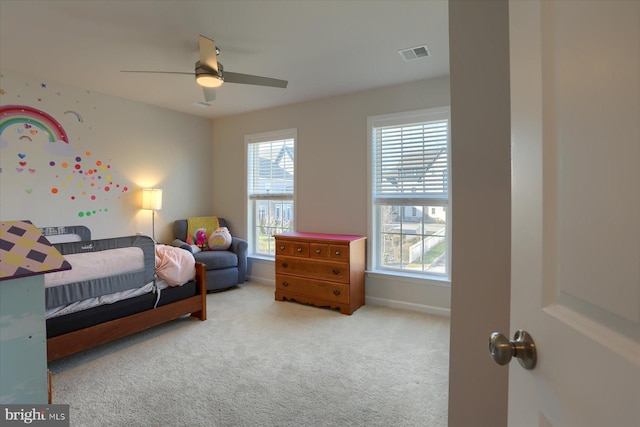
(336, 292)
(337, 252)
(336, 271)
(285, 284)
(282, 247)
(317, 251)
(299, 249)
(285, 265)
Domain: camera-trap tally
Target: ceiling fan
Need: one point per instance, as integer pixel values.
(210, 73)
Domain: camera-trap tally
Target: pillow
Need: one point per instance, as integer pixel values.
(182, 245)
(220, 240)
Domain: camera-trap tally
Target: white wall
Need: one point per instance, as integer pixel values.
(137, 146)
(331, 174)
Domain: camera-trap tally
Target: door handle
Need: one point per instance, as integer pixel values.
(522, 347)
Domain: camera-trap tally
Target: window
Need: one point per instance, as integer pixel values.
(270, 188)
(409, 189)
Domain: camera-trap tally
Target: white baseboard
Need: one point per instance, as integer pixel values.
(439, 311)
(384, 302)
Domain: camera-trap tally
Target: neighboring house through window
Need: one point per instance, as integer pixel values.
(409, 192)
(270, 188)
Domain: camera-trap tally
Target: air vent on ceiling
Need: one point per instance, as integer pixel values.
(415, 52)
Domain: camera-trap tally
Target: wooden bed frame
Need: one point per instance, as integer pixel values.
(73, 342)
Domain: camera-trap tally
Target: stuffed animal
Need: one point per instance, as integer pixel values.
(220, 240)
(201, 238)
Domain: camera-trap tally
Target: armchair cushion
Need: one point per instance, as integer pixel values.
(216, 260)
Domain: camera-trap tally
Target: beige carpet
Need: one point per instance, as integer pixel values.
(259, 362)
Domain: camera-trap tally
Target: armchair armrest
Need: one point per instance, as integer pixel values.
(240, 248)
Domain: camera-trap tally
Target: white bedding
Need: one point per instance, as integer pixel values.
(87, 266)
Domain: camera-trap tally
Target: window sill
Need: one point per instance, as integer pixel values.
(410, 278)
(261, 258)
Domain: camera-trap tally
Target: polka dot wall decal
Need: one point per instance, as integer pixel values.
(80, 167)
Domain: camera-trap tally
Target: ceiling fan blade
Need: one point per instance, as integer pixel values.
(209, 94)
(253, 80)
(208, 53)
(156, 72)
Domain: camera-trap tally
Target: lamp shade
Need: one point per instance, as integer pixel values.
(152, 199)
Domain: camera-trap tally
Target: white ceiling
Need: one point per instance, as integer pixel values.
(323, 47)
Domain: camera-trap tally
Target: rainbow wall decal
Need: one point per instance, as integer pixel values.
(13, 114)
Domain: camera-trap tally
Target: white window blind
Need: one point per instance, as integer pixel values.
(411, 163)
(271, 169)
(410, 219)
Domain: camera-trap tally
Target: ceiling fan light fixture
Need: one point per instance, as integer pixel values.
(209, 80)
(209, 77)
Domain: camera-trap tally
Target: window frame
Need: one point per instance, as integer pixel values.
(374, 255)
(252, 202)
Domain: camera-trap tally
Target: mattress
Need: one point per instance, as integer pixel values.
(104, 313)
(88, 303)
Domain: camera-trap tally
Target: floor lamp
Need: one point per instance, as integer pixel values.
(152, 200)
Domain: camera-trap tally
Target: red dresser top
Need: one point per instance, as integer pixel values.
(336, 237)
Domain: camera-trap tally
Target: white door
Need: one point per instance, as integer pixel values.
(575, 93)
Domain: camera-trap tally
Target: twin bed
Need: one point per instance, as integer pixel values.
(116, 287)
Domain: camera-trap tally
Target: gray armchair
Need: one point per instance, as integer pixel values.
(224, 269)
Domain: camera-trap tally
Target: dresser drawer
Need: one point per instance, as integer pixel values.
(325, 251)
(333, 292)
(339, 252)
(334, 271)
(291, 248)
(319, 250)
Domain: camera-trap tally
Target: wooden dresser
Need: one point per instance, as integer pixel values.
(325, 270)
